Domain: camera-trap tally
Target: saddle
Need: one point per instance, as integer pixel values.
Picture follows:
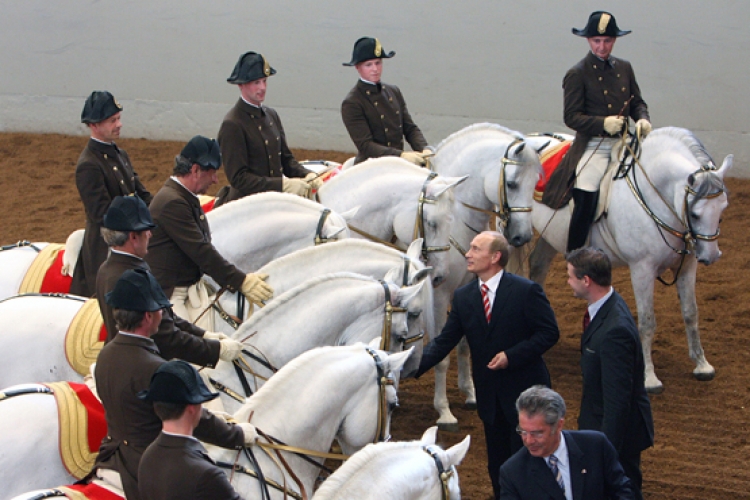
(85, 337)
(45, 273)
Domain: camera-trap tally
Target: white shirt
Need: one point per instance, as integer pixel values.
(492, 285)
(594, 308)
(563, 464)
(177, 180)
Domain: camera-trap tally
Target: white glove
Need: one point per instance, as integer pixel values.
(613, 124)
(255, 288)
(226, 417)
(214, 336)
(313, 181)
(229, 349)
(414, 157)
(427, 153)
(643, 128)
(295, 186)
(251, 435)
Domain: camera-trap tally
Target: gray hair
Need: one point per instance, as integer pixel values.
(182, 166)
(114, 238)
(126, 320)
(540, 400)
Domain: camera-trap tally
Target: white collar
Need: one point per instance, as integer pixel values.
(493, 282)
(594, 308)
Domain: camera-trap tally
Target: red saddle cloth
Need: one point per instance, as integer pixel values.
(550, 160)
(54, 281)
(90, 492)
(209, 205)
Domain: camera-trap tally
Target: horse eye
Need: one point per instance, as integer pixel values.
(512, 185)
(695, 216)
(413, 315)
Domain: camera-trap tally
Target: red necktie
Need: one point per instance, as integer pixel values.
(586, 320)
(486, 300)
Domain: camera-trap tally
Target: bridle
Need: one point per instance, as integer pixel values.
(444, 474)
(319, 238)
(385, 337)
(419, 231)
(274, 445)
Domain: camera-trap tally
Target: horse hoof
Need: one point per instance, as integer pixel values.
(470, 405)
(704, 377)
(655, 390)
(448, 427)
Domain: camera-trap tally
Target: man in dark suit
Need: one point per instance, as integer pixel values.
(375, 113)
(556, 464)
(176, 465)
(103, 172)
(127, 229)
(125, 367)
(180, 250)
(614, 398)
(253, 142)
(509, 324)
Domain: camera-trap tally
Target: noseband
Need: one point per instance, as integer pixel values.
(443, 474)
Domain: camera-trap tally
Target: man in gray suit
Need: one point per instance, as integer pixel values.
(614, 398)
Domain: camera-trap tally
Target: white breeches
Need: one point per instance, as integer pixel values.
(190, 302)
(594, 163)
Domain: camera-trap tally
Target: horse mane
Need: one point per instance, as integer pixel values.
(345, 244)
(402, 165)
(689, 140)
(366, 456)
(235, 208)
(480, 127)
(285, 297)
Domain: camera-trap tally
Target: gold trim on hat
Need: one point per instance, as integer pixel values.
(603, 22)
(119, 106)
(378, 48)
(266, 67)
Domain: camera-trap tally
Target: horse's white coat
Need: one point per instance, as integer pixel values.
(671, 158)
(478, 151)
(397, 471)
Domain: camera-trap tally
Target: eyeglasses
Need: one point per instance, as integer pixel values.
(533, 434)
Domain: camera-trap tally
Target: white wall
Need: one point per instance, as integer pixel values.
(457, 63)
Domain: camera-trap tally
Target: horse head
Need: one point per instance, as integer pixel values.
(412, 312)
(706, 198)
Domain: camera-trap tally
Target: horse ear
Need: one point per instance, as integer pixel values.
(542, 147)
(407, 293)
(414, 252)
(350, 214)
(422, 274)
(392, 276)
(457, 452)
(726, 166)
(335, 231)
(375, 343)
(450, 183)
(429, 436)
(520, 148)
(396, 360)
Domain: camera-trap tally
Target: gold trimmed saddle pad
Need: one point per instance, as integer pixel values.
(45, 275)
(550, 160)
(81, 426)
(84, 340)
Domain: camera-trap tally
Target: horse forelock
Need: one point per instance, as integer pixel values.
(479, 127)
(709, 183)
(688, 139)
(292, 293)
(370, 455)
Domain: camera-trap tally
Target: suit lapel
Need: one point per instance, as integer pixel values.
(502, 293)
(599, 319)
(542, 475)
(577, 471)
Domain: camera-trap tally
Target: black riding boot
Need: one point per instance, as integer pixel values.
(584, 210)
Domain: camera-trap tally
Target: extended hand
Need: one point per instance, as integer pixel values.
(414, 157)
(251, 435)
(295, 186)
(499, 362)
(313, 181)
(229, 350)
(643, 128)
(255, 288)
(613, 124)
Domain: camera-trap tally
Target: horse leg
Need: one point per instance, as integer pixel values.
(643, 288)
(540, 261)
(446, 421)
(686, 292)
(465, 382)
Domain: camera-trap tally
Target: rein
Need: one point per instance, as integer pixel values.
(419, 231)
(20, 244)
(385, 336)
(443, 474)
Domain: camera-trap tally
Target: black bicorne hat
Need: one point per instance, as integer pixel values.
(179, 383)
(250, 67)
(99, 106)
(203, 151)
(137, 290)
(600, 24)
(367, 48)
(128, 213)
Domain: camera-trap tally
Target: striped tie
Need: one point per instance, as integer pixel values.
(486, 301)
(556, 472)
(586, 320)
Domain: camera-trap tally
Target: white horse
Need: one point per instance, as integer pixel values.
(335, 309)
(396, 199)
(502, 173)
(335, 391)
(249, 233)
(664, 215)
(414, 470)
(350, 255)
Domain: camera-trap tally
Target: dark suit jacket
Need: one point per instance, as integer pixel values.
(523, 325)
(176, 337)
(180, 250)
(123, 368)
(254, 151)
(614, 398)
(176, 468)
(595, 472)
(377, 121)
(103, 172)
